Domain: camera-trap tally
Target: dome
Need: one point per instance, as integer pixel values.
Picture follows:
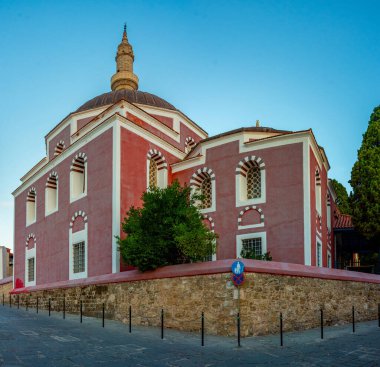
(131, 96)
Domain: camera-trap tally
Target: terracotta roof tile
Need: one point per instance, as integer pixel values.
(343, 221)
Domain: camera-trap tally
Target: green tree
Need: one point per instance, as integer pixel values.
(167, 230)
(365, 181)
(342, 199)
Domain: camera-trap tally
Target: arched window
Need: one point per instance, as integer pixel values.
(203, 182)
(31, 208)
(78, 177)
(30, 260)
(250, 181)
(59, 148)
(318, 192)
(78, 246)
(51, 193)
(157, 169)
(253, 181)
(189, 144)
(328, 217)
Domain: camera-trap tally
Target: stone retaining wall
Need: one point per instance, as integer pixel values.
(262, 297)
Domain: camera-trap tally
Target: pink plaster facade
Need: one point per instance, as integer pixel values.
(118, 142)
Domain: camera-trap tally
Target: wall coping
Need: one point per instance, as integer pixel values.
(209, 268)
(6, 280)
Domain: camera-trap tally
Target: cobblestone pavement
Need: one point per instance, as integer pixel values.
(30, 339)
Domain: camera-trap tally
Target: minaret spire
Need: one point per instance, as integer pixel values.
(124, 78)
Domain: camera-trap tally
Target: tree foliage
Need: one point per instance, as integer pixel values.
(168, 229)
(365, 181)
(342, 199)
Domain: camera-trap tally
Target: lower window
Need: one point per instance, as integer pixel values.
(78, 257)
(252, 246)
(319, 254)
(31, 269)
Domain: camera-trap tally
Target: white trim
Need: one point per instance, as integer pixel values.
(241, 237)
(83, 194)
(251, 226)
(47, 213)
(73, 239)
(116, 182)
(306, 202)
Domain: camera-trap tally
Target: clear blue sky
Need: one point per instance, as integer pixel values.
(291, 64)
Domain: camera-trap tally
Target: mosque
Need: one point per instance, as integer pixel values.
(264, 189)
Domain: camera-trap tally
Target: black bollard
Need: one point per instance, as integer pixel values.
(10, 301)
(162, 323)
(321, 324)
(353, 319)
(238, 328)
(64, 307)
(37, 305)
(281, 334)
(3, 299)
(49, 307)
(103, 314)
(18, 301)
(80, 311)
(378, 313)
(26, 304)
(130, 319)
(203, 329)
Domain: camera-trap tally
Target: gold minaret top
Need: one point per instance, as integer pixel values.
(124, 77)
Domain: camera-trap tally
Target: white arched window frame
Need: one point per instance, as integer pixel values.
(318, 192)
(78, 249)
(212, 257)
(156, 160)
(251, 239)
(78, 177)
(51, 194)
(241, 183)
(59, 148)
(197, 184)
(30, 261)
(31, 206)
(189, 144)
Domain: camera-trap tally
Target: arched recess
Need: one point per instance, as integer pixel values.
(203, 182)
(78, 246)
(78, 177)
(258, 221)
(250, 181)
(31, 206)
(51, 193)
(30, 260)
(209, 222)
(157, 169)
(59, 148)
(189, 144)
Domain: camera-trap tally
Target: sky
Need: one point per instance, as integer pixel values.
(292, 65)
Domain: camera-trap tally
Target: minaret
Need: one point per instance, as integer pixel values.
(124, 77)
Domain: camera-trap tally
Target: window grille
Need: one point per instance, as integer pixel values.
(254, 183)
(206, 190)
(253, 245)
(152, 173)
(79, 257)
(31, 269)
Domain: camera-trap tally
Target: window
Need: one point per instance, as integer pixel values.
(328, 217)
(252, 245)
(250, 181)
(152, 173)
(206, 192)
(31, 269)
(318, 192)
(157, 169)
(78, 257)
(202, 182)
(253, 183)
(78, 177)
(255, 243)
(319, 254)
(51, 193)
(31, 206)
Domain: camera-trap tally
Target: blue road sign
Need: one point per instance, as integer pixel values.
(237, 267)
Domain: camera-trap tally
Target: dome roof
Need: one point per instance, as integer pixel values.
(132, 96)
